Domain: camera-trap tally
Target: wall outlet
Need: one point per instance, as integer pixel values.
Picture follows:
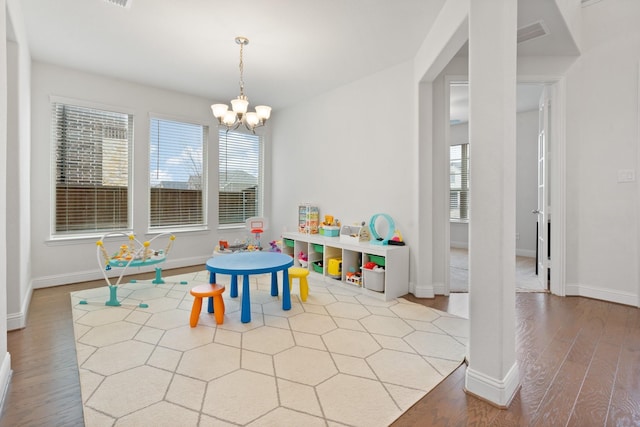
(626, 175)
(517, 236)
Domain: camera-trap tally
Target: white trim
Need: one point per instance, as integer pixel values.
(19, 320)
(424, 291)
(459, 245)
(638, 185)
(95, 274)
(441, 289)
(5, 379)
(499, 392)
(529, 253)
(602, 294)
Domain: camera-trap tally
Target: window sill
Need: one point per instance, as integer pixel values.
(458, 221)
(86, 238)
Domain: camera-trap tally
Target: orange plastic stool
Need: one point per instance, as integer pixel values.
(204, 291)
(301, 274)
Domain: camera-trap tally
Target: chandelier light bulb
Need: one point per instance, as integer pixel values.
(240, 105)
(219, 110)
(229, 118)
(263, 112)
(252, 120)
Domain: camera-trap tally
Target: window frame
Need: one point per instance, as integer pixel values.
(259, 163)
(203, 224)
(465, 160)
(54, 234)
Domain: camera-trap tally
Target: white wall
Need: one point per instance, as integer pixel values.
(350, 151)
(602, 138)
(75, 260)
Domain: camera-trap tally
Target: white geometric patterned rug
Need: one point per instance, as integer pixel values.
(339, 359)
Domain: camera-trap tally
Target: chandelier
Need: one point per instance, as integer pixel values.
(238, 114)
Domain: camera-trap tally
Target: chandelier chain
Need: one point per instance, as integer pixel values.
(241, 70)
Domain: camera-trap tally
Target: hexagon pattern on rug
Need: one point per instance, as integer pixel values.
(340, 358)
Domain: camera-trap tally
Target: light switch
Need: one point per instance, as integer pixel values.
(626, 175)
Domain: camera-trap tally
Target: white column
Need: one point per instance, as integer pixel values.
(493, 372)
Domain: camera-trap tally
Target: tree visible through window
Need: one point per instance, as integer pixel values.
(459, 182)
(240, 169)
(176, 191)
(90, 155)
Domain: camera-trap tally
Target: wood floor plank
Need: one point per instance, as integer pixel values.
(592, 403)
(625, 402)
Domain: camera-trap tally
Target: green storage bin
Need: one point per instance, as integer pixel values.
(288, 242)
(317, 266)
(379, 260)
(318, 248)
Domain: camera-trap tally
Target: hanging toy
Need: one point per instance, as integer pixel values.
(171, 239)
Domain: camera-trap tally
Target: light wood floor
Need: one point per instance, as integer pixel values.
(579, 362)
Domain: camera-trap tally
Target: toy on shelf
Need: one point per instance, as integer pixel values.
(308, 219)
(330, 227)
(393, 236)
(275, 246)
(354, 233)
(397, 239)
(354, 277)
(303, 259)
(133, 254)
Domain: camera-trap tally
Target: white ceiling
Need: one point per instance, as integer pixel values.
(297, 49)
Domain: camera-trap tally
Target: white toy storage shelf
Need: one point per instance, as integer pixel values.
(352, 255)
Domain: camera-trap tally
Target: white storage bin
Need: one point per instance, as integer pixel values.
(373, 279)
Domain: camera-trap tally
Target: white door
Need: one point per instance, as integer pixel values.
(543, 210)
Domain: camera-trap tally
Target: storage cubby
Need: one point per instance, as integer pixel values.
(350, 256)
(316, 253)
(287, 246)
(352, 266)
(300, 247)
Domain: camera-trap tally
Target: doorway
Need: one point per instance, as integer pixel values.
(532, 178)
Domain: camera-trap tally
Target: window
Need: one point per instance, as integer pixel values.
(240, 169)
(90, 157)
(176, 184)
(459, 182)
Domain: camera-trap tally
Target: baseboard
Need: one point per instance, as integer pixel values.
(422, 291)
(497, 392)
(440, 289)
(5, 379)
(610, 295)
(95, 274)
(519, 252)
(526, 253)
(459, 245)
(19, 320)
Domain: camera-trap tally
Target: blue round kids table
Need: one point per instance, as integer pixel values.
(246, 264)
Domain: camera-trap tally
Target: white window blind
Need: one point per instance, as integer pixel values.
(176, 192)
(90, 155)
(459, 182)
(241, 172)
